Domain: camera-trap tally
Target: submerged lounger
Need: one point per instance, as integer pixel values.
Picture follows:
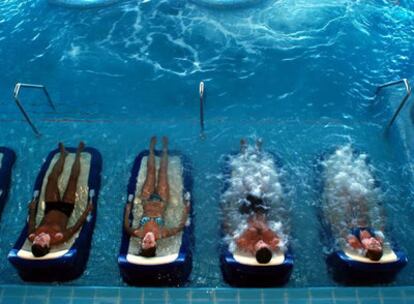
(172, 263)
(7, 158)
(83, 3)
(348, 262)
(241, 268)
(68, 260)
(227, 3)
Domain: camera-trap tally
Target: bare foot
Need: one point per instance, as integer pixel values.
(259, 143)
(243, 145)
(62, 149)
(153, 142)
(81, 146)
(164, 142)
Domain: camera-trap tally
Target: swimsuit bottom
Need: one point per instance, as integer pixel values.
(65, 208)
(259, 206)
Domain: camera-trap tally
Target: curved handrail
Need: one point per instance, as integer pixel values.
(16, 92)
(403, 101)
(201, 92)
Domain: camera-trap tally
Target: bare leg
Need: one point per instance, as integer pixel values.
(363, 216)
(163, 188)
(259, 144)
(52, 190)
(243, 146)
(149, 184)
(70, 192)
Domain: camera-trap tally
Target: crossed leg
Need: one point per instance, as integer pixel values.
(149, 184)
(52, 190)
(70, 192)
(243, 146)
(163, 188)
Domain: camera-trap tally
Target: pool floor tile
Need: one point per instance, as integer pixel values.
(82, 301)
(108, 300)
(59, 300)
(36, 294)
(347, 301)
(395, 301)
(130, 293)
(321, 293)
(321, 301)
(11, 300)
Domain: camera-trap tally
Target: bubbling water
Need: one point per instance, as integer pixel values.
(254, 172)
(351, 195)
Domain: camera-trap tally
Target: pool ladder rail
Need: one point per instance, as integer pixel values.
(19, 104)
(403, 101)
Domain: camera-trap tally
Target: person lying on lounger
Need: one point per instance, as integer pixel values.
(154, 201)
(257, 239)
(53, 228)
(351, 196)
(370, 242)
(360, 237)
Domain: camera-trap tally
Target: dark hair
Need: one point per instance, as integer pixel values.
(263, 255)
(39, 251)
(149, 252)
(374, 255)
(254, 199)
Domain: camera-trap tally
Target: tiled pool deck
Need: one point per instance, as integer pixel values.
(39, 294)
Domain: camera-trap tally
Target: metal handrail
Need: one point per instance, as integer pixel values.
(403, 101)
(16, 92)
(201, 91)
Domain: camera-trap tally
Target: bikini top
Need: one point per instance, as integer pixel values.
(146, 219)
(158, 220)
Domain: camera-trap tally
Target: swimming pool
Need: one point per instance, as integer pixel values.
(299, 74)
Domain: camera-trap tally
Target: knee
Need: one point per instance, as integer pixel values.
(164, 189)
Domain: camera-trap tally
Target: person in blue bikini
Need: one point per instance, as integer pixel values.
(154, 201)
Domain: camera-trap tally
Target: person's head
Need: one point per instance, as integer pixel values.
(372, 246)
(374, 255)
(263, 252)
(39, 251)
(148, 245)
(41, 244)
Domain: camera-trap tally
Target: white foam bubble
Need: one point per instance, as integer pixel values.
(254, 173)
(349, 185)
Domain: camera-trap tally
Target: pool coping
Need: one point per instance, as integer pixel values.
(14, 294)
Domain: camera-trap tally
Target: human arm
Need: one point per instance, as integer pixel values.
(168, 232)
(68, 233)
(128, 229)
(245, 242)
(271, 238)
(32, 215)
(379, 235)
(353, 241)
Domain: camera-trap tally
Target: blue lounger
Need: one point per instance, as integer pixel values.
(347, 263)
(172, 264)
(7, 159)
(240, 269)
(66, 261)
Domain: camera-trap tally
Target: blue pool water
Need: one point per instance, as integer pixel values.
(300, 74)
